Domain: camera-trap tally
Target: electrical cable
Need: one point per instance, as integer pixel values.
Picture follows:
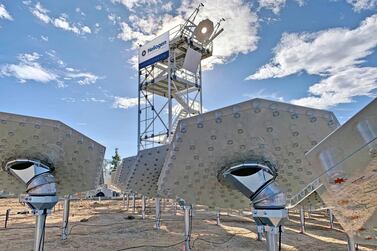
(22, 228)
(219, 243)
(153, 246)
(103, 225)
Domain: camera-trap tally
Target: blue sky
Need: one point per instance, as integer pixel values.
(74, 60)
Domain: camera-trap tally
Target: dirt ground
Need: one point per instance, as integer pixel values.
(104, 225)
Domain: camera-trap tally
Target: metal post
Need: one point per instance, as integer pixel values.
(133, 203)
(6, 217)
(272, 238)
(331, 218)
(302, 220)
(124, 200)
(174, 208)
(188, 218)
(201, 87)
(128, 202)
(259, 233)
(138, 113)
(218, 218)
(170, 105)
(350, 243)
(67, 202)
(41, 188)
(40, 230)
(158, 213)
(143, 207)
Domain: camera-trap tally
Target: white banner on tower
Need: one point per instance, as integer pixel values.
(154, 51)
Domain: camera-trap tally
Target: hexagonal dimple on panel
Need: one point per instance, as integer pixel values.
(257, 129)
(146, 170)
(347, 163)
(77, 160)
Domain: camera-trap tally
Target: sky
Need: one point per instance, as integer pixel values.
(75, 61)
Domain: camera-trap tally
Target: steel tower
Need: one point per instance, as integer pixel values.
(170, 79)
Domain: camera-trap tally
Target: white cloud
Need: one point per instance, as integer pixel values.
(28, 69)
(112, 17)
(239, 37)
(97, 28)
(276, 5)
(69, 100)
(359, 5)
(83, 78)
(265, 95)
(86, 29)
(44, 38)
(167, 6)
(61, 22)
(321, 53)
(124, 102)
(341, 88)
(98, 7)
(134, 62)
(41, 13)
(25, 72)
(130, 4)
(129, 34)
(4, 13)
(333, 54)
(70, 69)
(78, 10)
(28, 58)
(300, 2)
(273, 5)
(93, 100)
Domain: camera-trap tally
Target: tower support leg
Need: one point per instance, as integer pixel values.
(67, 202)
(128, 201)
